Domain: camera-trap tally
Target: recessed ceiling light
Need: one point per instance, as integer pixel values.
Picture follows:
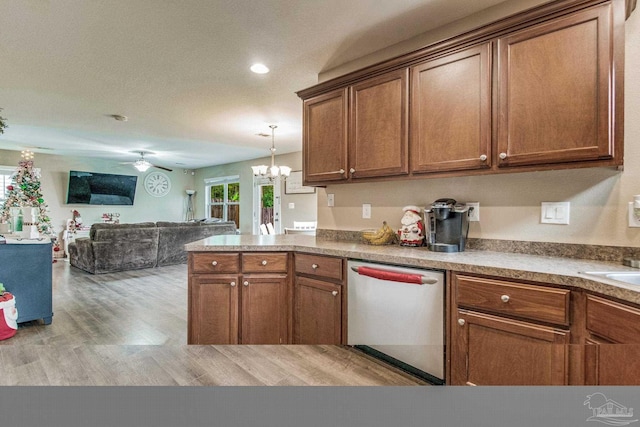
(259, 69)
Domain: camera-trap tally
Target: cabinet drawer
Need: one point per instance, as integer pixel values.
(526, 301)
(265, 262)
(215, 262)
(613, 321)
(319, 265)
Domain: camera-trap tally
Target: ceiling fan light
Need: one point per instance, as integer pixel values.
(142, 165)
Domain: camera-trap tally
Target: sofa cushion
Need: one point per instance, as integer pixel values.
(101, 232)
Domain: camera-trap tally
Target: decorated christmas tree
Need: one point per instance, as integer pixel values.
(24, 192)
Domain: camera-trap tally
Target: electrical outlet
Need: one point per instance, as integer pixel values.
(331, 200)
(366, 211)
(292, 205)
(474, 215)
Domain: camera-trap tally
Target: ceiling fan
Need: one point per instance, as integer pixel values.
(142, 164)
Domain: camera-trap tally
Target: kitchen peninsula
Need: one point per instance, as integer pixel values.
(491, 298)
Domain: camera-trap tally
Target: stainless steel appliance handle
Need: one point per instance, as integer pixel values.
(414, 279)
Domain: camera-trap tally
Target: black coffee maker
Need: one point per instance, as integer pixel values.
(447, 225)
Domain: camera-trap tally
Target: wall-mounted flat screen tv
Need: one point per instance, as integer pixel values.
(91, 188)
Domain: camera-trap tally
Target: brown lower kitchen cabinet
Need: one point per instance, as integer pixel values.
(508, 333)
(248, 307)
(319, 300)
(612, 343)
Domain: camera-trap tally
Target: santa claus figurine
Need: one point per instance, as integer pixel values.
(8, 314)
(412, 231)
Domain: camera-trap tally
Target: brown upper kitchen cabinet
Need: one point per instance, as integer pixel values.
(451, 112)
(560, 90)
(378, 126)
(539, 90)
(325, 137)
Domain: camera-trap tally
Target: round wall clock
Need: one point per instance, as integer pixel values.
(157, 184)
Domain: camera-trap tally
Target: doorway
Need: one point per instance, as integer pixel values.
(266, 204)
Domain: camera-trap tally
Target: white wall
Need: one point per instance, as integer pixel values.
(55, 180)
(305, 204)
(510, 204)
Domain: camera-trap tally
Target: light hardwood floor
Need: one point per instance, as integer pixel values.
(130, 328)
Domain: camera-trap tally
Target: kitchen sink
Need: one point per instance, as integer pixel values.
(629, 277)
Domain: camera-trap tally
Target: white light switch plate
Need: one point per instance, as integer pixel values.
(633, 221)
(366, 211)
(331, 200)
(554, 212)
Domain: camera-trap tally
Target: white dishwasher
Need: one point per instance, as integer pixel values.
(397, 314)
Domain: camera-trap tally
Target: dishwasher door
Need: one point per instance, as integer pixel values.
(402, 320)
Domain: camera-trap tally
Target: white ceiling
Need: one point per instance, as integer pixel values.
(179, 70)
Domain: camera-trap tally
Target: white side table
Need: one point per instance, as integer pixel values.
(69, 236)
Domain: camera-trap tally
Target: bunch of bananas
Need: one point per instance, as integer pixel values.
(383, 236)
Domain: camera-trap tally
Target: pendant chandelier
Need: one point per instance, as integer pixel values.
(273, 171)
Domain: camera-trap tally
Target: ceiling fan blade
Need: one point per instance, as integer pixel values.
(163, 168)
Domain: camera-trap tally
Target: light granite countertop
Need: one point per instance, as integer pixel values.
(554, 270)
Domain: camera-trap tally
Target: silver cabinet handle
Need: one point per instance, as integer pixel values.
(505, 298)
(461, 322)
(264, 262)
(246, 283)
(352, 170)
(334, 293)
(214, 263)
(341, 171)
(503, 156)
(314, 266)
(232, 284)
(483, 157)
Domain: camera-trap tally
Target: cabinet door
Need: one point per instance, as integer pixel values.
(317, 312)
(611, 351)
(379, 126)
(451, 112)
(325, 137)
(264, 309)
(491, 350)
(213, 309)
(555, 85)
